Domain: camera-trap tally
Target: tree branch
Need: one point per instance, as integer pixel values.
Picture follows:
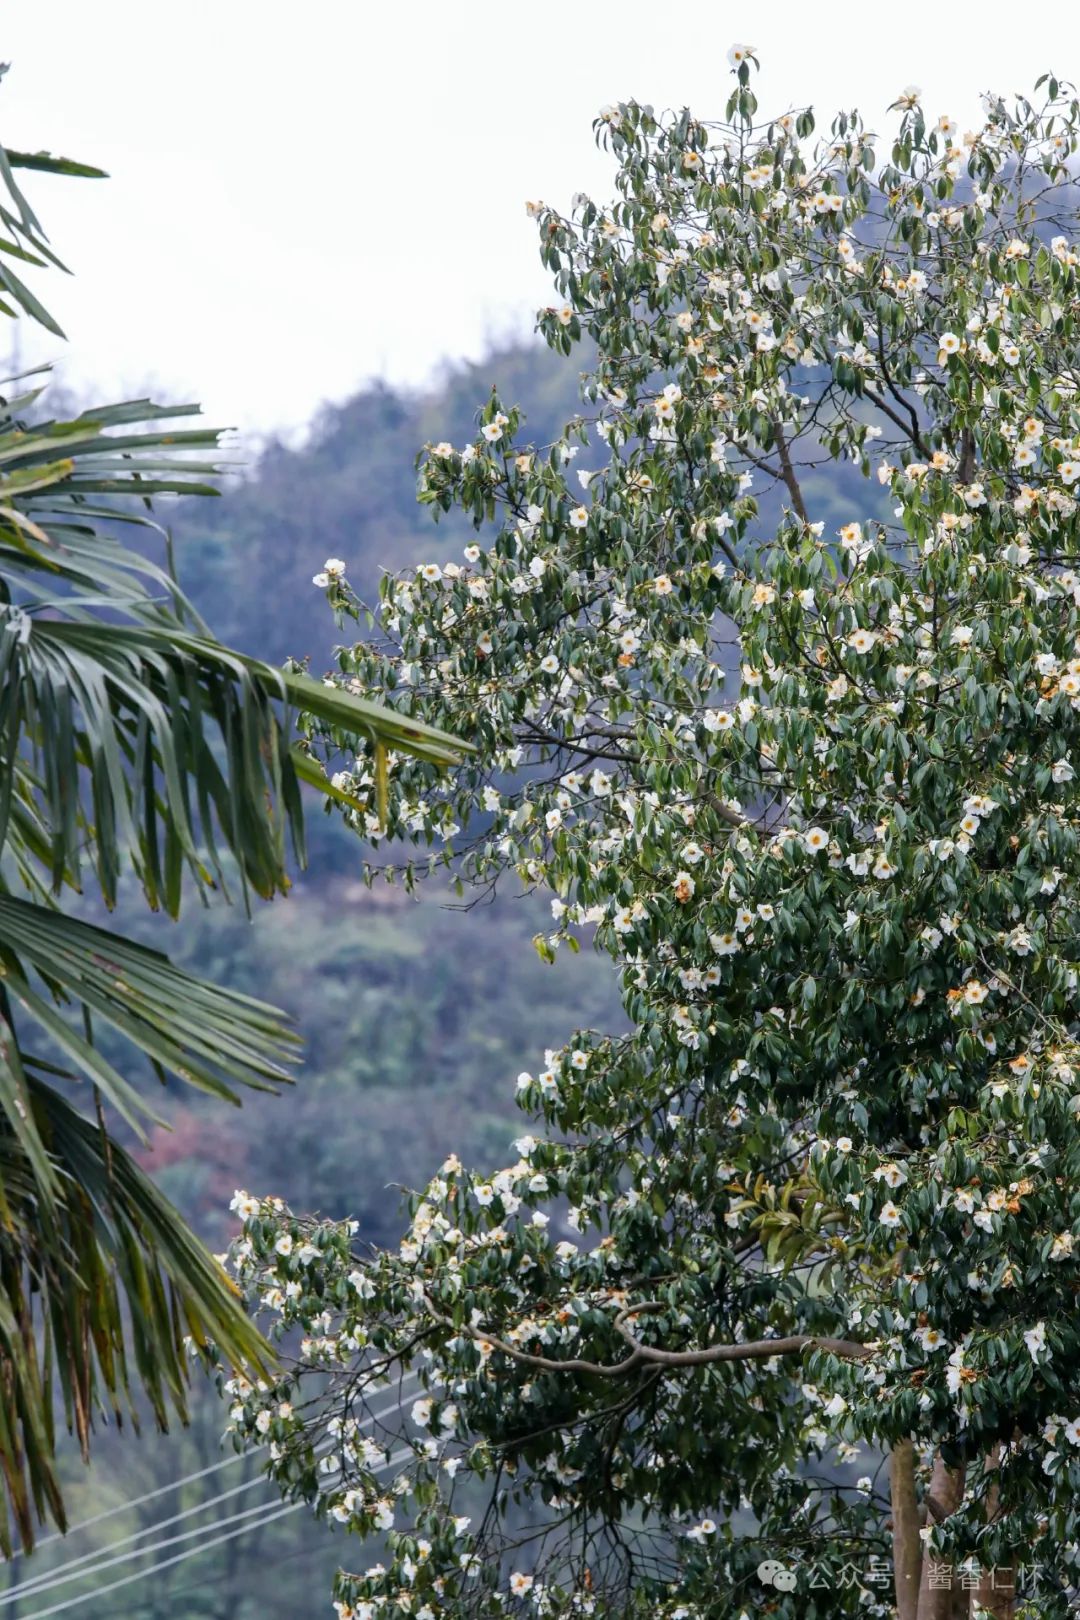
(996, 1591)
(788, 470)
(965, 471)
(900, 398)
(909, 432)
(647, 1354)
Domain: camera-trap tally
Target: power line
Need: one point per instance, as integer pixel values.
(102, 1558)
(137, 1501)
(190, 1552)
(174, 1485)
(177, 1558)
(137, 1552)
(61, 1575)
(264, 1563)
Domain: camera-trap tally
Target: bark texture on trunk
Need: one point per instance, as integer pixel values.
(996, 1591)
(940, 1594)
(907, 1543)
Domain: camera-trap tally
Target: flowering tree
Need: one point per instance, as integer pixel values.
(810, 784)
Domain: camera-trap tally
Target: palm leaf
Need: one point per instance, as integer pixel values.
(102, 1297)
(211, 1038)
(152, 751)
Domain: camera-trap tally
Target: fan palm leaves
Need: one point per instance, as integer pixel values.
(133, 745)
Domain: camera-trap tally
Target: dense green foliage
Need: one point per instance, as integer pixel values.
(349, 491)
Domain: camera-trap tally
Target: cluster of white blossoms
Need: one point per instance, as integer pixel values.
(331, 573)
(798, 748)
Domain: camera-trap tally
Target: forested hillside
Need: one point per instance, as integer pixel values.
(349, 492)
(416, 1017)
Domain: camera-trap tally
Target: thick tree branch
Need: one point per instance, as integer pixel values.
(732, 817)
(647, 1354)
(965, 471)
(996, 1591)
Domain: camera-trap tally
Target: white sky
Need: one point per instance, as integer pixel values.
(304, 197)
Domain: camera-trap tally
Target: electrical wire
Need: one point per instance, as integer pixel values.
(166, 1563)
(93, 1562)
(137, 1501)
(138, 1552)
(150, 1496)
(305, 1551)
(35, 1583)
(190, 1552)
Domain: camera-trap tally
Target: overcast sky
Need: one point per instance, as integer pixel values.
(305, 197)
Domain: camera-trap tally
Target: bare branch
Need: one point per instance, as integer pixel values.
(788, 471)
(647, 1354)
(911, 433)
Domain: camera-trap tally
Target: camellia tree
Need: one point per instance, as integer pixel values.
(135, 749)
(775, 1311)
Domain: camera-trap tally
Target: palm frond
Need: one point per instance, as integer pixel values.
(208, 1037)
(109, 1293)
(164, 752)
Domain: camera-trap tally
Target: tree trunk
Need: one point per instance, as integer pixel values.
(996, 1590)
(907, 1543)
(940, 1593)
